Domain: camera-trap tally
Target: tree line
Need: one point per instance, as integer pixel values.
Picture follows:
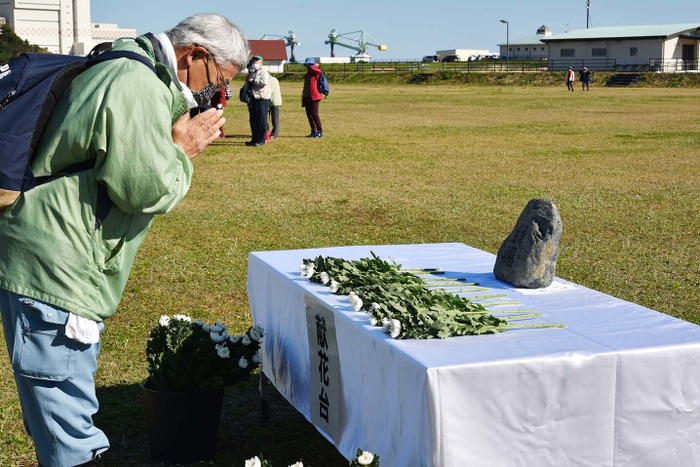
(12, 45)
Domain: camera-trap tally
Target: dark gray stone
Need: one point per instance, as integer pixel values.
(528, 257)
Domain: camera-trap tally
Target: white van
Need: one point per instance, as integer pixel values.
(430, 58)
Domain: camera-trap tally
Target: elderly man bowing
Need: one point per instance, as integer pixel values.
(67, 247)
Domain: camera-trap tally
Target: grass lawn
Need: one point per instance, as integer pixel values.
(399, 165)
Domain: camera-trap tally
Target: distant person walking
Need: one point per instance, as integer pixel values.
(570, 76)
(311, 96)
(585, 77)
(275, 107)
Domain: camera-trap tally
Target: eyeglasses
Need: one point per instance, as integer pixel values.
(218, 69)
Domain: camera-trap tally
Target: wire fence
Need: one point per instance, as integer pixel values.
(513, 66)
(678, 65)
(408, 66)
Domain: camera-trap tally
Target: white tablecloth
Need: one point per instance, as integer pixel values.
(619, 386)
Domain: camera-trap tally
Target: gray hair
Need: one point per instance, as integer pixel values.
(223, 39)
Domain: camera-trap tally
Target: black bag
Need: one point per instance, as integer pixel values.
(246, 92)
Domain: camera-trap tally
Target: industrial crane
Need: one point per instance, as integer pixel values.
(363, 41)
(290, 41)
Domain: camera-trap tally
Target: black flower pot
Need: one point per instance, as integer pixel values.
(182, 428)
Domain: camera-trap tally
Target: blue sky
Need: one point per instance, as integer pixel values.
(409, 28)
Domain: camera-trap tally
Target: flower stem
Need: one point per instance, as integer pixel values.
(484, 297)
(448, 283)
(448, 279)
(462, 290)
(491, 304)
(504, 327)
(516, 316)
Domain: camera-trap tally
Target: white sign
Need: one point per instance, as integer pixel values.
(324, 390)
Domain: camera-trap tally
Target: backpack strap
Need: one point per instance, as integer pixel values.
(114, 54)
(99, 54)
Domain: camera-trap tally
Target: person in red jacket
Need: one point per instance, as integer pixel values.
(311, 96)
(219, 102)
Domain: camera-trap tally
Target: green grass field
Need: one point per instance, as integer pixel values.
(399, 165)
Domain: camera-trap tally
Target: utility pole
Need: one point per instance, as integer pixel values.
(588, 14)
(507, 44)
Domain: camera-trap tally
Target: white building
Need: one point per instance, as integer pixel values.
(61, 26)
(527, 48)
(666, 47)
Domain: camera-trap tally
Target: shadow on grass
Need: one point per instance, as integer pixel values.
(288, 438)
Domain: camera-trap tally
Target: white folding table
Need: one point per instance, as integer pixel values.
(618, 386)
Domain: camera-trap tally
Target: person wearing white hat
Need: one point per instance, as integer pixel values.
(570, 75)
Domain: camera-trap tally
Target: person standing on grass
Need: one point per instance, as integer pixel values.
(67, 247)
(219, 102)
(311, 96)
(585, 77)
(570, 76)
(259, 104)
(275, 107)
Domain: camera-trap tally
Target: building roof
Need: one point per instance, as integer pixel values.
(529, 40)
(542, 31)
(269, 50)
(624, 32)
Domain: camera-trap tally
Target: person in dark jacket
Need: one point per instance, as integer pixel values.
(311, 96)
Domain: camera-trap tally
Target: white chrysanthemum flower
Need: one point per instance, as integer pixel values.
(234, 339)
(297, 464)
(357, 305)
(302, 269)
(394, 328)
(225, 335)
(216, 337)
(206, 327)
(334, 286)
(254, 334)
(253, 462)
(373, 321)
(221, 325)
(385, 325)
(246, 340)
(243, 363)
(325, 278)
(352, 294)
(259, 328)
(366, 458)
(182, 318)
(164, 320)
(310, 270)
(223, 352)
(256, 357)
(375, 307)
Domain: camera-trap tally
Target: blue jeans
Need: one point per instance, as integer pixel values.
(55, 381)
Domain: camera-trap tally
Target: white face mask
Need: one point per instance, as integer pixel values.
(257, 66)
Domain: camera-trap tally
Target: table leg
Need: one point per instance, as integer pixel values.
(264, 398)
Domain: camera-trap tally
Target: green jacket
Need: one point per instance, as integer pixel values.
(121, 114)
